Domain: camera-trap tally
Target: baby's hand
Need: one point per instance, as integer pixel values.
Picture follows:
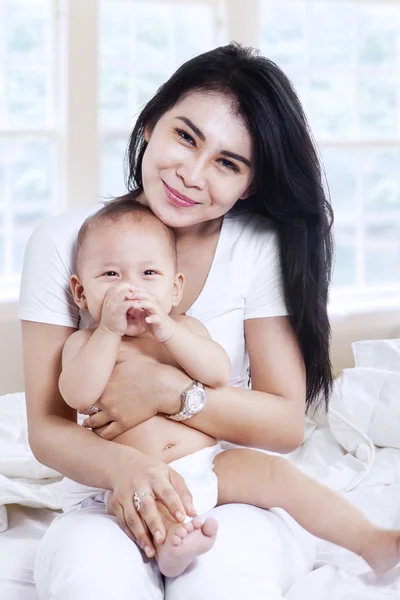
(117, 302)
(152, 316)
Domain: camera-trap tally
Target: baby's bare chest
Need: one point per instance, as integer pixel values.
(146, 348)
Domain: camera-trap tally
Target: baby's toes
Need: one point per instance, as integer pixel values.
(210, 527)
(179, 534)
(197, 522)
(176, 540)
(189, 526)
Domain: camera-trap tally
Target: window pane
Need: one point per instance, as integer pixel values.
(381, 173)
(283, 32)
(141, 44)
(26, 98)
(332, 33)
(27, 30)
(28, 161)
(332, 106)
(379, 102)
(379, 29)
(3, 154)
(382, 253)
(112, 168)
(345, 270)
(27, 64)
(341, 171)
(115, 97)
(33, 172)
(2, 252)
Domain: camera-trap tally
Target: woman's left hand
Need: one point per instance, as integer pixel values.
(137, 390)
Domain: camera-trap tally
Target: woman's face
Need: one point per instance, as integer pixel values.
(198, 161)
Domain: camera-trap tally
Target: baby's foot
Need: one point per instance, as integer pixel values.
(183, 543)
(383, 550)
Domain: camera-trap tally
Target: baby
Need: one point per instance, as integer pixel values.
(128, 281)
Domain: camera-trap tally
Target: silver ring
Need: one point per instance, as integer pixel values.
(94, 409)
(137, 498)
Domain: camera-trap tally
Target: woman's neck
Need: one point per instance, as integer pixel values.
(199, 230)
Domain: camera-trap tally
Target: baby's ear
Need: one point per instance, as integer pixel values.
(178, 289)
(78, 292)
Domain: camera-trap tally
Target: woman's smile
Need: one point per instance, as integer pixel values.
(178, 199)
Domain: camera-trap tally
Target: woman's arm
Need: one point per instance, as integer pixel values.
(269, 416)
(57, 441)
(87, 363)
(198, 355)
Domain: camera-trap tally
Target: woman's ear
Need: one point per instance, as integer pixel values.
(147, 133)
(178, 289)
(249, 192)
(78, 292)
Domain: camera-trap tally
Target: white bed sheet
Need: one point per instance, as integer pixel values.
(357, 453)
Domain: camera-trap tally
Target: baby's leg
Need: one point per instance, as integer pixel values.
(267, 481)
(184, 541)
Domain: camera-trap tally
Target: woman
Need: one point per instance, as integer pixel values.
(222, 153)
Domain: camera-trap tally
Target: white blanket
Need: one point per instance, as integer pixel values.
(23, 480)
(358, 453)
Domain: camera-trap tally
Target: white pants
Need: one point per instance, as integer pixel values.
(258, 554)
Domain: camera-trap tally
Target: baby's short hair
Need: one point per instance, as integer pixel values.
(114, 210)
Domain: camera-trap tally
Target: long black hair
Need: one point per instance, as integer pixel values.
(288, 184)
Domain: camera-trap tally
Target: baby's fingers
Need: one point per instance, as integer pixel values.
(153, 319)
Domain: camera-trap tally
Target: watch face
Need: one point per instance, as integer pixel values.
(195, 399)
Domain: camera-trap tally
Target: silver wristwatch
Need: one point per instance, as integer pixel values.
(193, 400)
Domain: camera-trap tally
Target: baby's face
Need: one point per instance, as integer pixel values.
(138, 254)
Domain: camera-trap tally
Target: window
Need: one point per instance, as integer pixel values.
(343, 57)
(28, 126)
(141, 44)
(69, 97)
(73, 75)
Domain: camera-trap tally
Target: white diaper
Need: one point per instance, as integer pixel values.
(196, 469)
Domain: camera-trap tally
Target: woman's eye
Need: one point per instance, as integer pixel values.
(227, 164)
(111, 274)
(185, 136)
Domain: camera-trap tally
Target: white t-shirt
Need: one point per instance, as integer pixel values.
(244, 281)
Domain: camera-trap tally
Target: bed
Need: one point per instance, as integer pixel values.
(356, 451)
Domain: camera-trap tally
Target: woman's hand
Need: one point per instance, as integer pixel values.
(137, 390)
(144, 474)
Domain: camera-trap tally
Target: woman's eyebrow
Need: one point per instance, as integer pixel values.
(201, 135)
(193, 127)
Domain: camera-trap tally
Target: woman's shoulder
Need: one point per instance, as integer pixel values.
(250, 230)
(62, 230)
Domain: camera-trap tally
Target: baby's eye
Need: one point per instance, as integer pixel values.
(149, 272)
(111, 274)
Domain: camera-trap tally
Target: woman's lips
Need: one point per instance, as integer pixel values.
(176, 199)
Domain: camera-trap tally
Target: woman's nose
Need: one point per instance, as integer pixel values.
(192, 174)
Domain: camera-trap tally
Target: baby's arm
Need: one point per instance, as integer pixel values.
(198, 355)
(187, 340)
(87, 364)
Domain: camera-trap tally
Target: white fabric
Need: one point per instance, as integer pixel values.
(86, 555)
(244, 281)
(341, 455)
(23, 480)
(196, 469)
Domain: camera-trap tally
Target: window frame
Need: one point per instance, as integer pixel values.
(78, 135)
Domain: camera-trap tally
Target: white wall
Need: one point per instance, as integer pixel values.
(344, 331)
